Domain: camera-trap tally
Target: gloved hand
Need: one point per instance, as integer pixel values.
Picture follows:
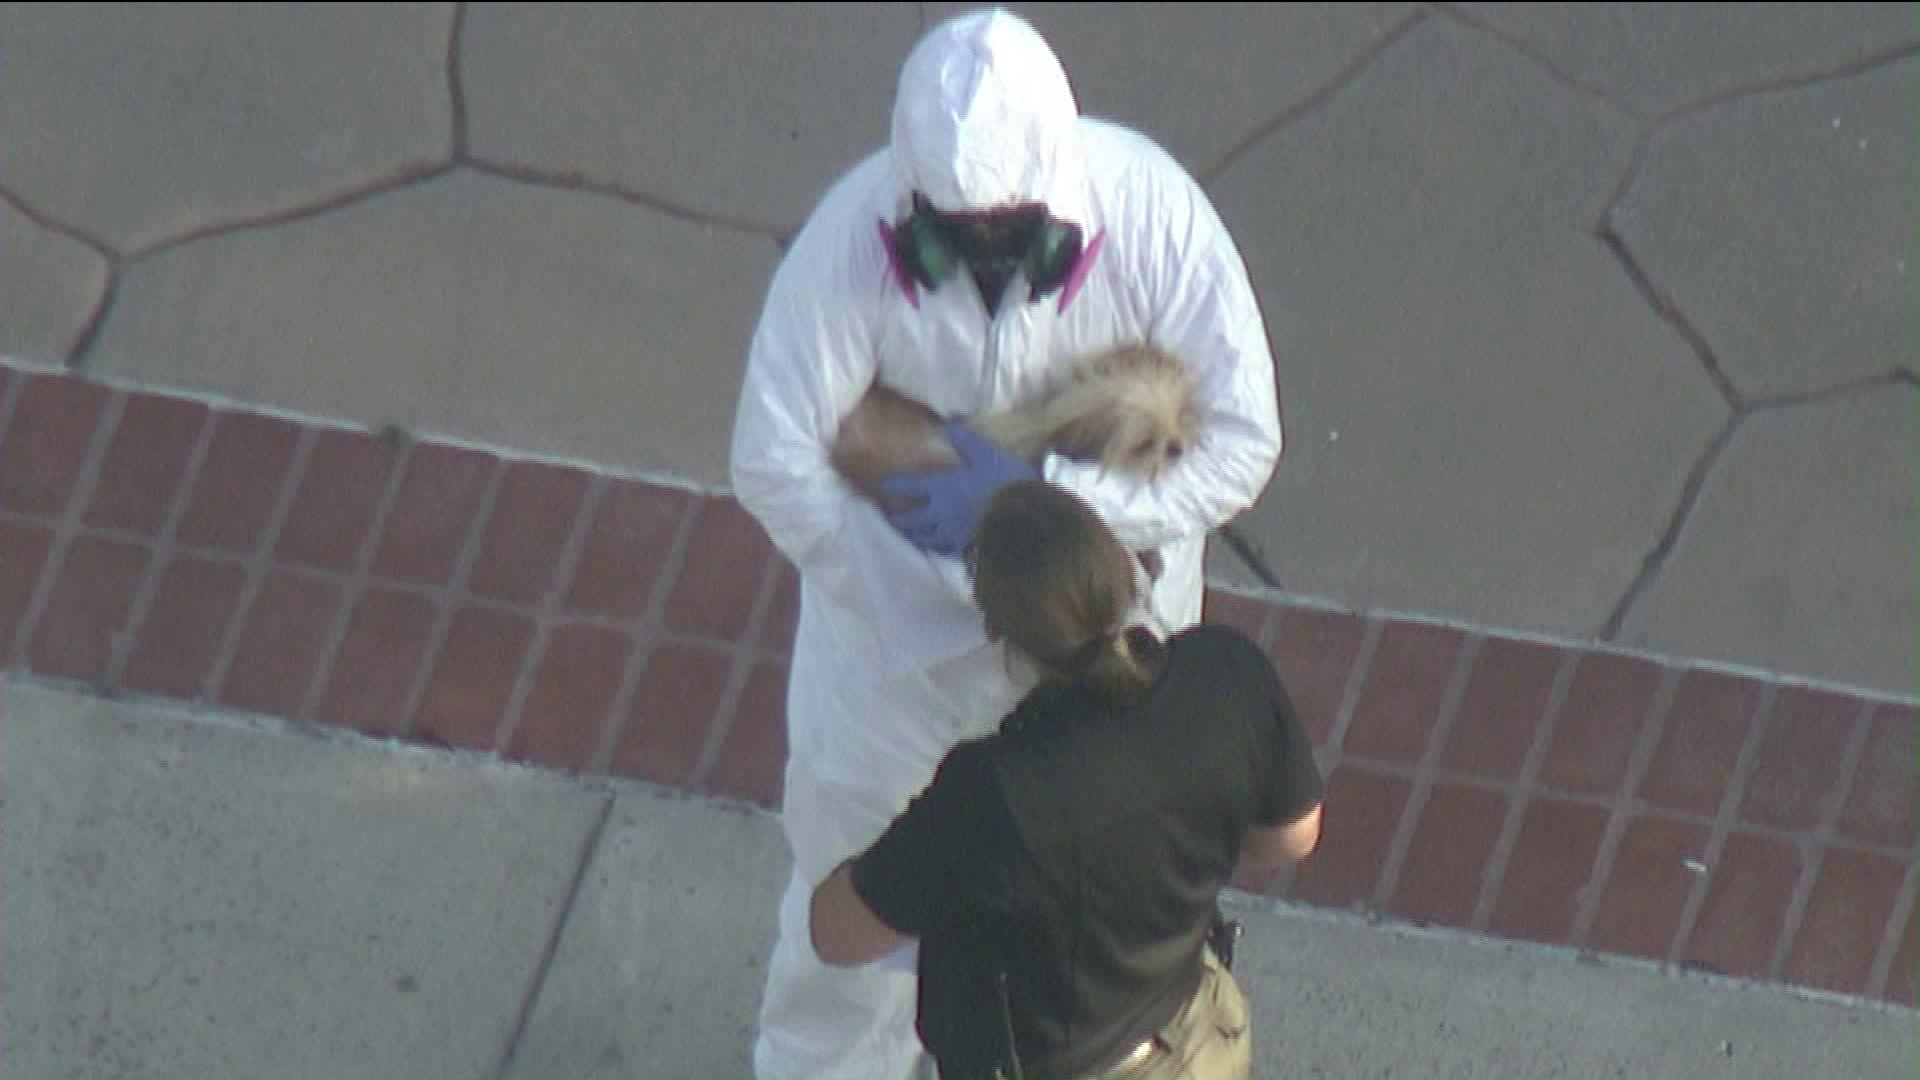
(951, 501)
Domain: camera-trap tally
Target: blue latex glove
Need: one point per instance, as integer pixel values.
(951, 501)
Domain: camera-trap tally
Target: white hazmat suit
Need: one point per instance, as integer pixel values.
(890, 665)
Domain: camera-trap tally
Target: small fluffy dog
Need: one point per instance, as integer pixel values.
(1130, 409)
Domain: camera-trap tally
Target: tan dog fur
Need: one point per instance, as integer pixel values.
(1130, 409)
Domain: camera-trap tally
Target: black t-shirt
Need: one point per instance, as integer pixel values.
(1080, 851)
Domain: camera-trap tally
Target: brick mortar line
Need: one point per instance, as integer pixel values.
(1358, 674)
(1466, 652)
(1262, 638)
(727, 712)
(223, 403)
(442, 596)
(9, 394)
(163, 555)
(67, 528)
(546, 610)
(681, 485)
(1724, 819)
(356, 584)
(648, 637)
(1625, 804)
(1523, 787)
(1296, 601)
(1880, 974)
(259, 566)
(1639, 807)
(448, 601)
(1329, 756)
(1812, 844)
(437, 594)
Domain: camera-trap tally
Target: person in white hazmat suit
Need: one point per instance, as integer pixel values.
(891, 666)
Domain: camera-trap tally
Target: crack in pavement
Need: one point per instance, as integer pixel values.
(82, 349)
(1318, 98)
(1851, 69)
(1520, 45)
(1636, 167)
(411, 175)
(1845, 388)
(417, 175)
(1668, 311)
(456, 88)
(1533, 56)
(1656, 558)
(589, 848)
(578, 182)
(46, 221)
(82, 343)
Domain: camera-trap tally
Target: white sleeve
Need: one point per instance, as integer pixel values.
(812, 357)
(1203, 311)
(810, 360)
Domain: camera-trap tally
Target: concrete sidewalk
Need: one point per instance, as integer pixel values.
(200, 894)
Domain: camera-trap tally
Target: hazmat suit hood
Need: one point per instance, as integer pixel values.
(984, 117)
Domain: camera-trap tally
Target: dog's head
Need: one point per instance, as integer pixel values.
(1131, 410)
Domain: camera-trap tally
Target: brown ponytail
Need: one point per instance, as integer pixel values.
(1052, 580)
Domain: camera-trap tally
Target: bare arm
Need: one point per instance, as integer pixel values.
(1269, 849)
(846, 932)
(945, 852)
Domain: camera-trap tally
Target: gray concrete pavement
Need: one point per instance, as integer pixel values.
(189, 896)
(549, 227)
(1658, 59)
(1807, 589)
(1789, 310)
(1473, 391)
(216, 114)
(437, 283)
(196, 894)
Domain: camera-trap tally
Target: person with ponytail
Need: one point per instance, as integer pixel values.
(1060, 875)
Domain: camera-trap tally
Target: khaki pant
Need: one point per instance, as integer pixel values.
(1210, 1039)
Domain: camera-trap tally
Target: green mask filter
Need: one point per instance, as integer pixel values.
(992, 246)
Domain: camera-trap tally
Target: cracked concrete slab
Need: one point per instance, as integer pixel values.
(192, 897)
(1783, 226)
(196, 114)
(664, 941)
(53, 284)
(547, 320)
(1484, 418)
(1200, 78)
(741, 113)
(1659, 57)
(1799, 554)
